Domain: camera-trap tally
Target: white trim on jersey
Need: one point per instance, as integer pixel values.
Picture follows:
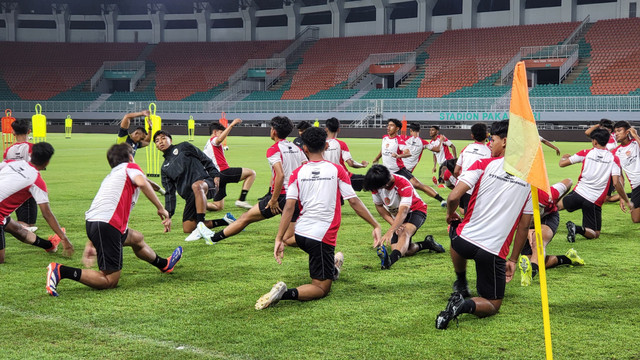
(630, 161)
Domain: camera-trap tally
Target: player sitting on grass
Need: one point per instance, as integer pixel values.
(192, 174)
(401, 206)
(19, 181)
(500, 204)
(549, 219)
(629, 154)
(213, 149)
(107, 227)
(599, 167)
(317, 186)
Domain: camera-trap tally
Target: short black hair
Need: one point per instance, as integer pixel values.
(377, 177)
(315, 139)
(141, 128)
(161, 132)
(414, 126)
(622, 124)
(303, 125)
(41, 153)
(479, 131)
(435, 127)
(332, 124)
(118, 154)
(215, 125)
(282, 125)
(601, 136)
(20, 127)
(606, 123)
(395, 122)
(500, 128)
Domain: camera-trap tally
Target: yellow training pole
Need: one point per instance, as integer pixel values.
(68, 124)
(543, 273)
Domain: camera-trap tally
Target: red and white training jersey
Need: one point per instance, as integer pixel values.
(337, 152)
(549, 204)
(598, 165)
(496, 205)
(18, 151)
(318, 185)
(444, 154)
(19, 181)
(392, 145)
(472, 153)
(291, 158)
(415, 145)
(116, 197)
(216, 154)
(612, 144)
(402, 193)
(628, 156)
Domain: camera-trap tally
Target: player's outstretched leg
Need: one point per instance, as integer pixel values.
(248, 176)
(427, 190)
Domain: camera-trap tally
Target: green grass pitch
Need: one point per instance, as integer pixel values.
(204, 309)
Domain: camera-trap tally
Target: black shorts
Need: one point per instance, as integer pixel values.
(321, 258)
(282, 201)
(417, 218)
(357, 182)
(464, 201)
(635, 196)
(28, 211)
(552, 221)
(405, 173)
(490, 269)
(189, 212)
(108, 242)
(591, 213)
(227, 176)
(2, 242)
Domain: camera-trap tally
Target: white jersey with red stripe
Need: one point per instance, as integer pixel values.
(472, 153)
(392, 145)
(337, 152)
(291, 158)
(402, 193)
(18, 151)
(19, 181)
(549, 203)
(630, 161)
(216, 154)
(317, 186)
(598, 165)
(444, 154)
(415, 145)
(116, 197)
(612, 144)
(496, 205)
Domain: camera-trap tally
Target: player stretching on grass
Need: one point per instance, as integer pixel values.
(401, 206)
(27, 213)
(107, 227)
(629, 154)
(213, 149)
(500, 204)
(317, 186)
(394, 151)
(442, 157)
(19, 181)
(470, 154)
(416, 146)
(337, 152)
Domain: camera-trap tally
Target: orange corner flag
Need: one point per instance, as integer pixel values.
(523, 158)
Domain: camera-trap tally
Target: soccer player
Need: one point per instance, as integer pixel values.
(599, 167)
(500, 204)
(393, 153)
(441, 157)
(139, 137)
(629, 152)
(19, 181)
(400, 205)
(27, 213)
(470, 154)
(549, 219)
(192, 174)
(302, 126)
(416, 145)
(338, 153)
(317, 186)
(283, 157)
(213, 149)
(107, 227)
(605, 124)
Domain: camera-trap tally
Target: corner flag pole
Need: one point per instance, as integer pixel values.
(543, 273)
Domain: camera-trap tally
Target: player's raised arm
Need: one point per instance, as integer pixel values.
(225, 133)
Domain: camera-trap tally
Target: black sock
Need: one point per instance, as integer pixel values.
(579, 230)
(218, 236)
(534, 270)
(468, 307)
(159, 262)
(42, 243)
(243, 195)
(563, 260)
(395, 256)
(219, 222)
(290, 294)
(67, 272)
(438, 197)
(421, 245)
(199, 218)
(461, 277)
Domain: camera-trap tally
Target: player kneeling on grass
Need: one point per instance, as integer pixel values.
(317, 185)
(400, 205)
(20, 181)
(107, 227)
(549, 219)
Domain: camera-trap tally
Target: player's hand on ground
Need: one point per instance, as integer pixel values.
(67, 248)
(89, 255)
(274, 206)
(236, 121)
(167, 224)
(377, 236)
(510, 269)
(558, 152)
(278, 250)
